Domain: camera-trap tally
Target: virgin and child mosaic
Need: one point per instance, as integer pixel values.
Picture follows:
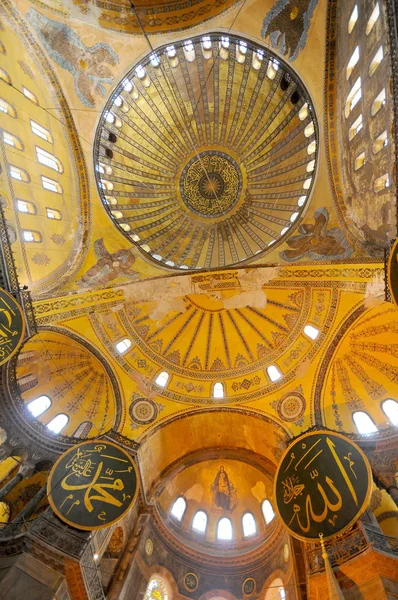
(224, 493)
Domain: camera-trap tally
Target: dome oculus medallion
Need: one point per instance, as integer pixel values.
(205, 154)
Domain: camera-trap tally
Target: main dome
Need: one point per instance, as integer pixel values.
(205, 154)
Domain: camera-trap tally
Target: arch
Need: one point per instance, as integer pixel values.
(268, 511)
(274, 590)
(162, 379)
(364, 423)
(178, 509)
(83, 430)
(39, 405)
(158, 585)
(390, 409)
(218, 390)
(249, 525)
(224, 529)
(58, 423)
(199, 522)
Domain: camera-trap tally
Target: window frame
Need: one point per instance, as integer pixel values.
(356, 412)
(224, 539)
(200, 531)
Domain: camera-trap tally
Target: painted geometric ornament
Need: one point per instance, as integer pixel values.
(210, 179)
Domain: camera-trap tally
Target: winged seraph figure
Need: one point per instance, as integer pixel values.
(316, 241)
(108, 266)
(287, 25)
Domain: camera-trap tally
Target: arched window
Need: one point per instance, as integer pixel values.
(51, 185)
(123, 345)
(31, 236)
(58, 423)
(178, 508)
(249, 525)
(19, 174)
(268, 511)
(311, 331)
(364, 423)
(273, 373)
(24, 206)
(41, 131)
(30, 95)
(5, 76)
(224, 529)
(162, 379)
(39, 405)
(53, 213)
(218, 390)
(390, 408)
(156, 590)
(83, 430)
(7, 108)
(49, 160)
(282, 593)
(12, 140)
(199, 522)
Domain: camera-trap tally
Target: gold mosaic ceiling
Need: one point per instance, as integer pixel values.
(206, 153)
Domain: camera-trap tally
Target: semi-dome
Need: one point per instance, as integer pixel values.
(206, 152)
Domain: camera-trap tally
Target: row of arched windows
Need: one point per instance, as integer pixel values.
(355, 94)
(218, 388)
(40, 405)
(365, 424)
(224, 526)
(43, 157)
(157, 589)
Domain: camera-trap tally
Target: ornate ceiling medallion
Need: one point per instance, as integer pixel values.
(206, 153)
(211, 184)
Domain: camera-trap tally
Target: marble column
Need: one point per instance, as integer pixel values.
(26, 469)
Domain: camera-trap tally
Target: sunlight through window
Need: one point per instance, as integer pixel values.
(178, 508)
(199, 522)
(39, 405)
(364, 423)
(224, 529)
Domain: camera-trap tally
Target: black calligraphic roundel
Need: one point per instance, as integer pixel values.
(322, 485)
(12, 326)
(393, 273)
(92, 485)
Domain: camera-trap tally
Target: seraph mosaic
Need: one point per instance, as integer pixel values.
(287, 24)
(316, 241)
(88, 65)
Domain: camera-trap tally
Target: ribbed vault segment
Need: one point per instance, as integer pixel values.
(206, 152)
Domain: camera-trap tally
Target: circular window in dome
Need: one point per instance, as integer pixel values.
(205, 155)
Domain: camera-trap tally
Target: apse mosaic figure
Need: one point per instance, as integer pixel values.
(224, 492)
(93, 485)
(322, 485)
(108, 266)
(287, 25)
(316, 241)
(88, 65)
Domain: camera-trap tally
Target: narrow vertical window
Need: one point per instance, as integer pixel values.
(380, 142)
(199, 522)
(218, 390)
(355, 128)
(248, 525)
(178, 508)
(58, 423)
(353, 19)
(390, 409)
(352, 62)
(224, 529)
(268, 511)
(273, 373)
(376, 60)
(353, 97)
(311, 331)
(378, 102)
(373, 18)
(162, 379)
(364, 423)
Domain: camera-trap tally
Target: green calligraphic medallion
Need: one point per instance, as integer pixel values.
(12, 326)
(393, 273)
(322, 485)
(92, 485)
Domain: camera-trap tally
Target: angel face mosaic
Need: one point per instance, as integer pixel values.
(92, 485)
(206, 152)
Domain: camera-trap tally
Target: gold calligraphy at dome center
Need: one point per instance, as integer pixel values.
(211, 184)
